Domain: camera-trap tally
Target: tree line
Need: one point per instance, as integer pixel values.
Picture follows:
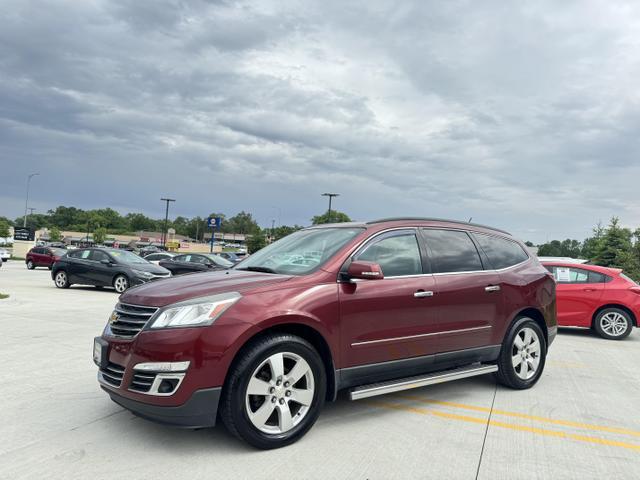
(104, 221)
(610, 246)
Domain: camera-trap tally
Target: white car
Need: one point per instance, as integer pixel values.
(4, 254)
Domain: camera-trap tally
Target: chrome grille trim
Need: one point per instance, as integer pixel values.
(131, 319)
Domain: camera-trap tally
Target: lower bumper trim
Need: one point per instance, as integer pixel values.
(198, 412)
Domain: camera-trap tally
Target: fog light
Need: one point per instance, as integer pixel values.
(168, 385)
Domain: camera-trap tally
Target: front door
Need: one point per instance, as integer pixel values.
(393, 318)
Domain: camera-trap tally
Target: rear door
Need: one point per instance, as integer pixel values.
(468, 294)
(578, 294)
(38, 256)
(393, 318)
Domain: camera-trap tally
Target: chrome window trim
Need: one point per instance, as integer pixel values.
(422, 335)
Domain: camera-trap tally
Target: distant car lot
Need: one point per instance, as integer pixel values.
(579, 421)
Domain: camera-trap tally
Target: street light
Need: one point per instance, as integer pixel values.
(26, 202)
(166, 218)
(330, 195)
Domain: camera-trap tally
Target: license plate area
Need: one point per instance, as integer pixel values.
(100, 352)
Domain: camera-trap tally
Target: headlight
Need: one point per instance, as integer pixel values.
(142, 273)
(195, 313)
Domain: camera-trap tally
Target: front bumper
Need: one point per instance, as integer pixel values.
(198, 412)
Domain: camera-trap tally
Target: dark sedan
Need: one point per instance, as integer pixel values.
(105, 267)
(195, 262)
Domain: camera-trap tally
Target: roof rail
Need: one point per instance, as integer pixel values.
(428, 219)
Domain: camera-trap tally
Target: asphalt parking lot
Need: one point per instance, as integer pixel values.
(580, 421)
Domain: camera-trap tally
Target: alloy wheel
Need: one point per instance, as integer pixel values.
(121, 284)
(525, 353)
(614, 324)
(61, 279)
(280, 393)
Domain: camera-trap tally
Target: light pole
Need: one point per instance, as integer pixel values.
(330, 195)
(273, 224)
(26, 202)
(166, 218)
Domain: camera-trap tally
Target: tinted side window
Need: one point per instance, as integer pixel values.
(397, 255)
(181, 258)
(198, 259)
(98, 256)
(502, 253)
(452, 251)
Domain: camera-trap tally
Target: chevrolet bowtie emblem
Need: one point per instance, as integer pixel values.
(114, 317)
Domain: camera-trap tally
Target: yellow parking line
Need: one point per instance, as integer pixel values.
(522, 428)
(564, 423)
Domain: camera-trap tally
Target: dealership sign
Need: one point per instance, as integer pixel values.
(25, 234)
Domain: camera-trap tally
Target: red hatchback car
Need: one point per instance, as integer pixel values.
(372, 307)
(601, 298)
(43, 257)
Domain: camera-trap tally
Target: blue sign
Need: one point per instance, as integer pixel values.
(214, 222)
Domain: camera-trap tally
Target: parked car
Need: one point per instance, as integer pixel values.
(384, 306)
(5, 254)
(600, 298)
(158, 256)
(195, 262)
(43, 257)
(230, 256)
(105, 267)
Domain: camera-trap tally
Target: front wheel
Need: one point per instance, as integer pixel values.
(274, 394)
(62, 280)
(31, 265)
(523, 355)
(613, 324)
(121, 283)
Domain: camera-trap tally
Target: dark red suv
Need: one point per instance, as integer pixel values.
(43, 257)
(371, 307)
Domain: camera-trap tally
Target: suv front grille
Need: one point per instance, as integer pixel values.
(127, 320)
(112, 374)
(141, 382)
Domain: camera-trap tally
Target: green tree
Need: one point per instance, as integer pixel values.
(283, 231)
(4, 228)
(255, 242)
(529, 244)
(616, 249)
(99, 235)
(54, 234)
(336, 217)
(243, 223)
(556, 248)
(591, 245)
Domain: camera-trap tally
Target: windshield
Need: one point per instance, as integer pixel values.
(218, 260)
(301, 252)
(126, 256)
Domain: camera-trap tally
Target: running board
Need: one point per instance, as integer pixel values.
(407, 383)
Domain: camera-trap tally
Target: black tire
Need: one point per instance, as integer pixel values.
(508, 374)
(61, 279)
(603, 322)
(119, 280)
(234, 403)
(31, 265)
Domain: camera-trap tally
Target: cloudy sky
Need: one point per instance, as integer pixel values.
(522, 115)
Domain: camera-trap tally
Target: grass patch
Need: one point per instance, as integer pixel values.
(3, 296)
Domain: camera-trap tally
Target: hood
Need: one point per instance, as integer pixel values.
(193, 285)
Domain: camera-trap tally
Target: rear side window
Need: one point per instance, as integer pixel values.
(397, 255)
(502, 253)
(577, 275)
(452, 251)
(181, 258)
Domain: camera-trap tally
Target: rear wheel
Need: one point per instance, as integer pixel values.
(613, 324)
(523, 355)
(274, 394)
(120, 283)
(31, 265)
(61, 279)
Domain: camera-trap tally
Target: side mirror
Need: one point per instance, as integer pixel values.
(105, 261)
(365, 270)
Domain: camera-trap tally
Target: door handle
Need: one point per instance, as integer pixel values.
(492, 288)
(589, 289)
(422, 294)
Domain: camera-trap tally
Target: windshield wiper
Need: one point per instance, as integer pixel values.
(258, 269)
